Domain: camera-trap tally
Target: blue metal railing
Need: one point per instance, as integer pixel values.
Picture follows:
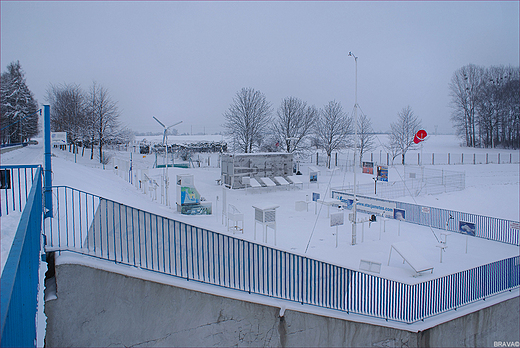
(500, 230)
(19, 290)
(91, 225)
(15, 198)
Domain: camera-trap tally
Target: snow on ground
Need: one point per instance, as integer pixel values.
(8, 223)
(491, 190)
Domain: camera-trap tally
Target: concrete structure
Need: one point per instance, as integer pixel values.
(236, 166)
(102, 304)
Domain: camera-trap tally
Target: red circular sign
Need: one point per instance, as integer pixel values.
(421, 134)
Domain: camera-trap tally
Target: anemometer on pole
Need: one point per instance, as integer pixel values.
(165, 172)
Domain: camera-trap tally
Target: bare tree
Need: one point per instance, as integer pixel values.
(68, 111)
(103, 117)
(248, 119)
(485, 105)
(403, 131)
(497, 106)
(333, 128)
(465, 89)
(365, 136)
(294, 124)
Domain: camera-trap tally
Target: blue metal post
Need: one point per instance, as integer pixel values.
(47, 161)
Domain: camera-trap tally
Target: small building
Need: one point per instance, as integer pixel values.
(254, 165)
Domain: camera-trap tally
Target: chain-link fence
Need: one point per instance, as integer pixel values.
(414, 182)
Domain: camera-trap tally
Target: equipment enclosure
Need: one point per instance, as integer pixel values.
(254, 165)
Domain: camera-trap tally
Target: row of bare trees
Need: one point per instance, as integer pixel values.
(89, 118)
(485, 104)
(296, 127)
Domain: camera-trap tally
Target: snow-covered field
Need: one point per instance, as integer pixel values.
(491, 190)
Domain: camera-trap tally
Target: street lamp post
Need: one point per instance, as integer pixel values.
(354, 205)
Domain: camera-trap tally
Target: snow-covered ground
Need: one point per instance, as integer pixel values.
(491, 190)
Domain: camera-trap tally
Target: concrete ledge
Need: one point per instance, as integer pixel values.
(98, 305)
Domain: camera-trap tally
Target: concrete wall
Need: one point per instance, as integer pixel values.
(99, 308)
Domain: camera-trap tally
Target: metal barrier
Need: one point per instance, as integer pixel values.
(414, 158)
(500, 230)
(20, 274)
(105, 229)
(21, 180)
(415, 181)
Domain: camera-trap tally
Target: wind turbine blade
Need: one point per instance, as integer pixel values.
(162, 124)
(173, 125)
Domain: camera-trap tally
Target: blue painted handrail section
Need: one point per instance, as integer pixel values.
(19, 281)
(21, 180)
(101, 228)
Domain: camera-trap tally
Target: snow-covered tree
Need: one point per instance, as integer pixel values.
(294, 124)
(403, 132)
(18, 108)
(247, 119)
(332, 129)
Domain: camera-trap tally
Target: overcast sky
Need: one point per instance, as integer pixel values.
(185, 61)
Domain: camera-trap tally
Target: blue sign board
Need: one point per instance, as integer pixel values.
(382, 173)
(467, 228)
(399, 214)
(315, 196)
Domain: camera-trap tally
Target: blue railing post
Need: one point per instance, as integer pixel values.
(47, 163)
(19, 290)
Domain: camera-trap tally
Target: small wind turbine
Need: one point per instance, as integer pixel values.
(165, 142)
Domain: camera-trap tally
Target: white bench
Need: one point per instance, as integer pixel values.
(281, 181)
(268, 182)
(295, 180)
(370, 266)
(253, 183)
(411, 256)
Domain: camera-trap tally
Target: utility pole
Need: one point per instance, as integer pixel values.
(354, 205)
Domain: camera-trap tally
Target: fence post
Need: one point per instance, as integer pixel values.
(448, 158)
(387, 159)
(462, 158)
(499, 158)
(418, 160)
(47, 161)
(316, 158)
(510, 158)
(474, 161)
(433, 158)
(486, 158)
(336, 159)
